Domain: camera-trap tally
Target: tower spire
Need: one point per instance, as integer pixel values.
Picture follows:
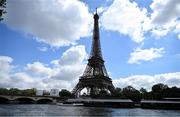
(96, 47)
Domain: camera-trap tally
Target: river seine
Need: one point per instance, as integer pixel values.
(55, 110)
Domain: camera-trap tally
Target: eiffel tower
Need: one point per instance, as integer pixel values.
(95, 77)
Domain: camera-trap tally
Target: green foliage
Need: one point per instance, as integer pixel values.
(159, 88)
(103, 93)
(143, 93)
(15, 91)
(131, 93)
(159, 91)
(2, 8)
(4, 91)
(29, 92)
(118, 93)
(65, 93)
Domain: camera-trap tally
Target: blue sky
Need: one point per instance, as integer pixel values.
(138, 40)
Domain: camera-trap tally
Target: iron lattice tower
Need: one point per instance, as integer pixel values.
(95, 77)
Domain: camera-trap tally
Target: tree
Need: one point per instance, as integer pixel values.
(29, 92)
(14, 91)
(131, 93)
(143, 92)
(4, 91)
(2, 8)
(174, 92)
(118, 93)
(158, 90)
(159, 87)
(103, 93)
(65, 93)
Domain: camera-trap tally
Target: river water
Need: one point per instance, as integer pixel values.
(55, 110)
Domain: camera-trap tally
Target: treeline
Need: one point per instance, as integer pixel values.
(158, 92)
(19, 92)
(31, 92)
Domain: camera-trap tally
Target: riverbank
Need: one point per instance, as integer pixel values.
(121, 103)
(89, 102)
(126, 103)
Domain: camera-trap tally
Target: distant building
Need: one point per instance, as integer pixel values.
(39, 93)
(46, 93)
(54, 92)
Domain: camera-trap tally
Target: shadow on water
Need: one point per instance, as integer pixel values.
(44, 101)
(4, 100)
(25, 101)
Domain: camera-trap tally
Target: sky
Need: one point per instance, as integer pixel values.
(45, 44)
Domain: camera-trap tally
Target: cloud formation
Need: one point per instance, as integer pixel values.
(63, 22)
(161, 8)
(42, 76)
(74, 55)
(126, 17)
(59, 74)
(147, 81)
(55, 22)
(165, 16)
(139, 55)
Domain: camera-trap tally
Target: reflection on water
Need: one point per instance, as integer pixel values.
(54, 110)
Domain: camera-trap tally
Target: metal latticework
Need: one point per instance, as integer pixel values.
(96, 47)
(95, 76)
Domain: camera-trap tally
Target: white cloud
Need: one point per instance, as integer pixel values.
(38, 68)
(179, 36)
(70, 66)
(55, 22)
(164, 17)
(165, 11)
(43, 49)
(126, 18)
(101, 9)
(4, 63)
(147, 81)
(66, 75)
(58, 74)
(5, 70)
(63, 22)
(74, 55)
(177, 30)
(139, 55)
